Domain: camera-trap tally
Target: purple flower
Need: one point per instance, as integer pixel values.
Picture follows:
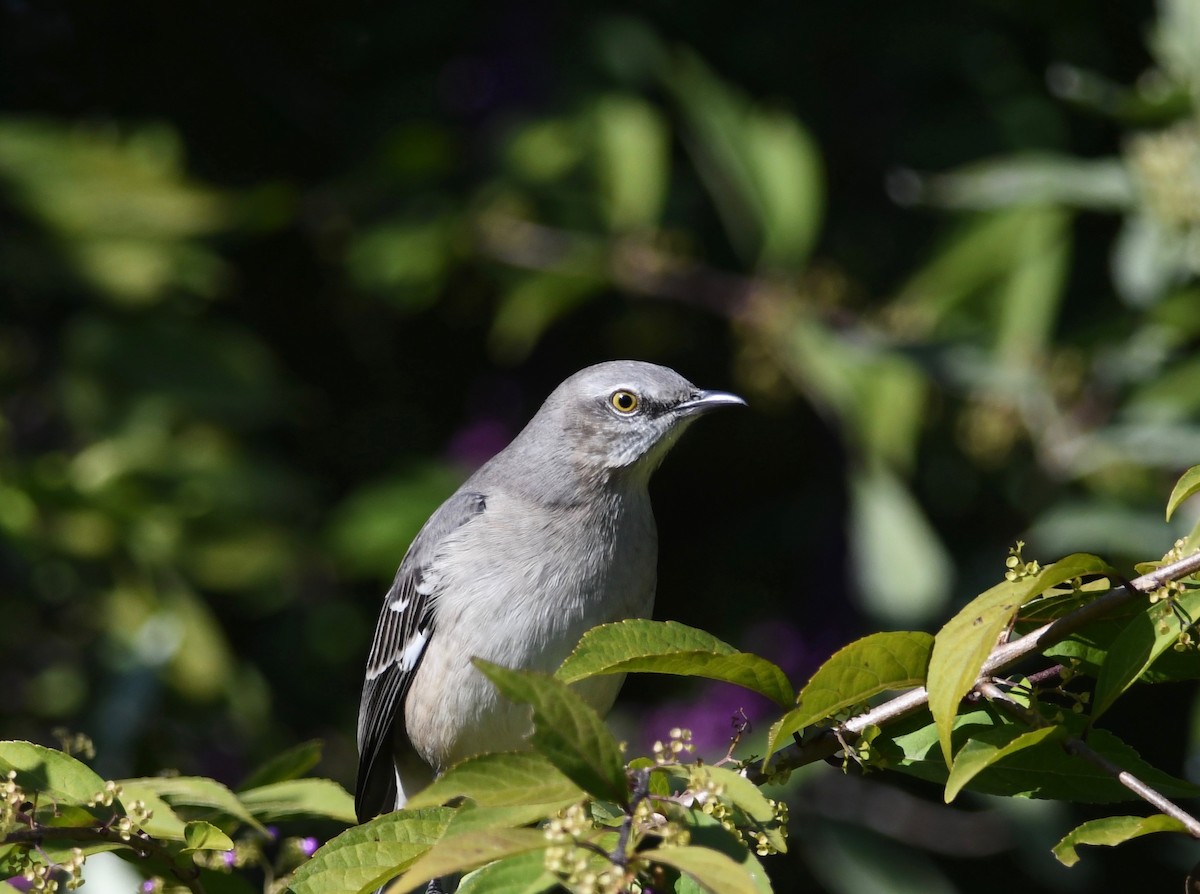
(230, 857)
(309, 845)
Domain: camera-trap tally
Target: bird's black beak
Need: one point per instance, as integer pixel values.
(704, 401)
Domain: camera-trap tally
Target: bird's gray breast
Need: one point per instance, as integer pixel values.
(520, 585)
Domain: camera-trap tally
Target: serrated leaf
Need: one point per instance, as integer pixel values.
(966, 640)
(290, 764)
(519, 874)
(715, 871)
(1188, 484)
(60, 778)
(293, 798)
(989, 747)
(201, 836)
(364, 857)
(199, 791)
(459, 853)
(495, 780)
(1044, 771)
(874, 664)
(566, 730)
(668, 647)
(1111, 831)
(1138, 646)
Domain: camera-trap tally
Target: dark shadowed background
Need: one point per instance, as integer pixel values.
(275, 278)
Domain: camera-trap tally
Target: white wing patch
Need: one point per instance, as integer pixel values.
(399, 604)
(412, 651)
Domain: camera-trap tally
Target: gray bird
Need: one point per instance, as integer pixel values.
(551, 537)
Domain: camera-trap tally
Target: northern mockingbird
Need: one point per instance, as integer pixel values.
(551, 537)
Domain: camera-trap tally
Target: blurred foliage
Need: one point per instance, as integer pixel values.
(270, 288)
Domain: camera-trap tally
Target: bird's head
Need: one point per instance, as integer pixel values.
(624, 415)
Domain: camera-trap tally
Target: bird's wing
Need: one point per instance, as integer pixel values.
(401, 634)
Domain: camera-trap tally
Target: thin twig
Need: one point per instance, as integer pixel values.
(641, 789)
(146, 848)
(1076, 746)
(825, 743)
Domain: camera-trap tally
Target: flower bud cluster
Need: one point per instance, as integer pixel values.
(45, 876)
(12, 796)
(578, 868)
(1017, 567)
(679, 744)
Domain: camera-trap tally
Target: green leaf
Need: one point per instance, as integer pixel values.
(989, 747)
(1104, 184)
(566, 730)
(966, 640)
(667, 647)
(633, 161)
(471, 818)
(707, 832)
(201, 836)
(713, 870)
(520, 874)
(1187, 485)
(749, 799)
(1138, 646)
(1043, 771)
(873, 664)
(290, 764)
(1111, 831)
(296, 798)
(163, 822)
(459, 853)
(58, 777)
(901, 566)
(494, 780)
(198, 791)
(364, 857)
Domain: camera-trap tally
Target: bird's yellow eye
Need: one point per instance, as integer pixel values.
(625, 402)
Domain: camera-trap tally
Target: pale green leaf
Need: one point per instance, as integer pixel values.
(459, 853)
(900, 564)
(874, 664)
(163, 822)
(715, 871)
(566, 730)
(1187, 485)
(1111, 831)
(470, 818)
(201, 836)
(989, 747)
(748, 798)
(297, 798)
(364, 857)
(519, 874)
(963, 644)
(633, 161)
(495, 780)
(198, 791)
(667, 647)
(58, 777)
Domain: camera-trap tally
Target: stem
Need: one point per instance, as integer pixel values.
(825, 743)
(641, 789)
(1076, 746)
(146, 848)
